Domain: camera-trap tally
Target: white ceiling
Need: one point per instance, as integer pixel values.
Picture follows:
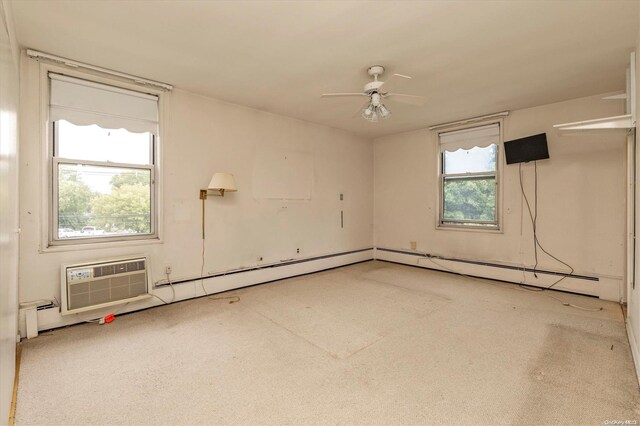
(467, 58)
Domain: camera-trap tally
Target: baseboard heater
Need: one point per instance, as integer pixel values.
(493, 265)
(273, 265)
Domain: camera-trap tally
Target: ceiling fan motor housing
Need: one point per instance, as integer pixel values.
(374, 71)
(373, 86)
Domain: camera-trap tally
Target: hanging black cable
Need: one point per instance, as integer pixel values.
(534, 218)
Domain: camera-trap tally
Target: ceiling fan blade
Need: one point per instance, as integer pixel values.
(406, 99)
(329, 95)
(395, 81)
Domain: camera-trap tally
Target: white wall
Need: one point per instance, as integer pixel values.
(9, 82)
(205, 136)
(633, 311)
(581, 201)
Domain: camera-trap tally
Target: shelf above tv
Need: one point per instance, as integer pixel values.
(625, 122)
(617, 122)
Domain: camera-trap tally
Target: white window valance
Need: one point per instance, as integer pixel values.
(480, 137)
(83, 103)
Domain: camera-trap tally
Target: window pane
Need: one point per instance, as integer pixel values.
(472, 160)
(98, 201)
(94, 143)
(470, 199)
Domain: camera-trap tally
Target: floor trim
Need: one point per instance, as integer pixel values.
(49, 319)
(494, 265)
(592, 284)
(14, 396)
(478, 277)
(634, 348)
(210, 295)
(270, 266)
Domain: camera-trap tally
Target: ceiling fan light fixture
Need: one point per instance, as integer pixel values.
(375, 113)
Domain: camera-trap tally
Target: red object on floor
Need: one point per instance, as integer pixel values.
(109, 318)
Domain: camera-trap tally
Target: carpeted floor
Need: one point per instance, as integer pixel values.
(373, 343)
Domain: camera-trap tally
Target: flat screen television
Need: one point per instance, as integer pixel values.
(522, 150)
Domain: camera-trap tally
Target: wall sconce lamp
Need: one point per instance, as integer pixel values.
(220, 183)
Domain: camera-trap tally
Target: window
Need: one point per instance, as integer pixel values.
(103, 161)
(469, 177)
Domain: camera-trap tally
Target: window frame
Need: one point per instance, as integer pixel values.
(55, 198)
(50, 169)
(465, 224)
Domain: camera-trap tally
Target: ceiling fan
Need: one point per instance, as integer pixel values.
(374, 110)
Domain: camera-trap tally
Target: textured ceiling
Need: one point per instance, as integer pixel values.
(467, 58)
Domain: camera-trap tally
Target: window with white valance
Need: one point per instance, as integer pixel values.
(469, 177)
(84, 103)
(103, 161)
(466, 139)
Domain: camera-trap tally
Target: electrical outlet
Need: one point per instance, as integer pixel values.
(341, 197)
(259, 258)
(298, 250)
(167, 270)
(413, 244)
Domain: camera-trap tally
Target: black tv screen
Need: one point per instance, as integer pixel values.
(522, 150)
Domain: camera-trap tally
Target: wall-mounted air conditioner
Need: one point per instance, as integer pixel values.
(93, 285)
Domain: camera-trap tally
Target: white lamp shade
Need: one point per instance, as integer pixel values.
(224, 181)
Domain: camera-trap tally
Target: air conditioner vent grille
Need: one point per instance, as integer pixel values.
(118, 268)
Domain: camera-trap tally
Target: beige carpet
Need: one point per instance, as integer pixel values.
(373, 343)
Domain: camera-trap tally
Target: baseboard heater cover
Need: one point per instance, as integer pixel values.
(494, 265)
(256, 268)
(54, 324)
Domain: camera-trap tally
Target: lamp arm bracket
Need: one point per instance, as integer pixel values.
(204, 193)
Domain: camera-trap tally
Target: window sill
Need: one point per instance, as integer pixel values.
(497, 230)
(100, 245)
